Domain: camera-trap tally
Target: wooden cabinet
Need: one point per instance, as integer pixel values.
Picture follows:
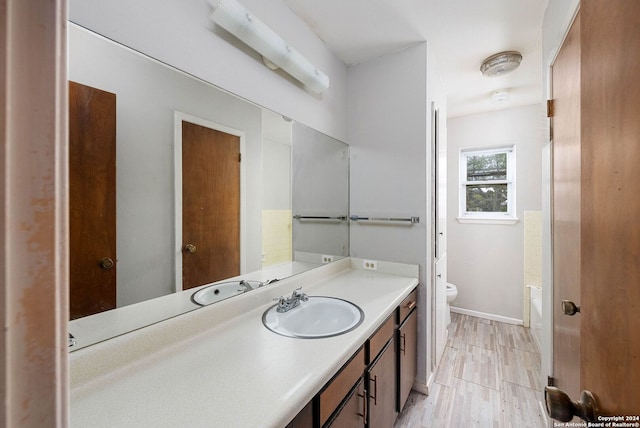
(371, 388)
(381, 375)
(333, 394)
(304, 419)
(382, 388)
(407, 357)
(352, 413)
(408, 304)
(380, 338)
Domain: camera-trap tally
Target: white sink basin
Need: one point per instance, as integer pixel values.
(220, 291)
(316, 318)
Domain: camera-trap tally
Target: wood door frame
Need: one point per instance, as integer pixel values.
(34, 259)
(179, 117)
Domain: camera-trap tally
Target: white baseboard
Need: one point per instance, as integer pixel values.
(487, 316)
(421, 387)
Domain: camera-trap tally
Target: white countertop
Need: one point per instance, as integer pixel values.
(219, 366)
(95, 328)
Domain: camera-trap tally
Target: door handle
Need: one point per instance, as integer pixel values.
(364, 404)
(190, 248)
(105, 263)
(374, 379)
(569, 308)
(560, 406)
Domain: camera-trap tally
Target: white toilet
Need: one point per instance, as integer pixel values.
(452, 293)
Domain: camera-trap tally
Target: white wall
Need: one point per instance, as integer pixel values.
(180, 33)
(320, 187)
(485, 261)
(389, 135)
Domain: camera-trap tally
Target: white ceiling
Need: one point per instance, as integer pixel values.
(462, 34)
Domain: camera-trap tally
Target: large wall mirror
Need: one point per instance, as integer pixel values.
(176, 184)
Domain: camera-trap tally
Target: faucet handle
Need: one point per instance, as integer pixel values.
(298, 295)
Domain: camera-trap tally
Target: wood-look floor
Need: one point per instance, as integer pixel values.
(489, 376)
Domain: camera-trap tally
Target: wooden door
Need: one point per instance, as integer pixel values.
(566, 207)
(92, 200)
(210, 205)
(382, 388)
(608, 242)
(408, 337)
(610, 315)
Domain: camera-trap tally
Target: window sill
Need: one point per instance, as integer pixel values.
(477, 220)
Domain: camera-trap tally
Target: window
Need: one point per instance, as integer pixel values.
(487, 185)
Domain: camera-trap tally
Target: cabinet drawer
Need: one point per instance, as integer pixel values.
(337, 389)
(381, 337)
(408, 304)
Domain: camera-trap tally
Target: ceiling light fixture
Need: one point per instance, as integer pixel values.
(276, 53)
(500, 96)
(501, 63)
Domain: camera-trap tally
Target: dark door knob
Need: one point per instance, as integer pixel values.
(190, 248)
(105, 263)
(569, 308)
(561, 408)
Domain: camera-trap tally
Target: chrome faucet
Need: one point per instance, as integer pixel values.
(246, 285)
(267, 282)
(286, 304)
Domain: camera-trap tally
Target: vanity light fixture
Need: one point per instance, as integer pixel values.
(501, 63)
(276, 53)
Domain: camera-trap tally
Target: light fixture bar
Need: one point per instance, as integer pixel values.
(236, 19)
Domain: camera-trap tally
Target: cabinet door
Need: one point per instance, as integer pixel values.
(304, 419)
(382, 388)
(352, 414)
(407, 336)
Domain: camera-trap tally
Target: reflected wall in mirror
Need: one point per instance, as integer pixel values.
(154, 103)
(320, 194)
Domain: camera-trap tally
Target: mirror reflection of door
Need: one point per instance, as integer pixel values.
(210, 205)
(92, 200)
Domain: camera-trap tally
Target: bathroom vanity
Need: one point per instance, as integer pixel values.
(220, 366)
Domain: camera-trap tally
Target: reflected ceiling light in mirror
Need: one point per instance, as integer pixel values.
(501, 63)
(236, 19)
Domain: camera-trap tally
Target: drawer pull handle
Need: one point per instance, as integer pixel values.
(375, 390)
(403, 344)
(411, 304)
(364, 405)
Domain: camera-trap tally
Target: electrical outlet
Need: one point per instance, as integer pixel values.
(326, 258)
(370, 264)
